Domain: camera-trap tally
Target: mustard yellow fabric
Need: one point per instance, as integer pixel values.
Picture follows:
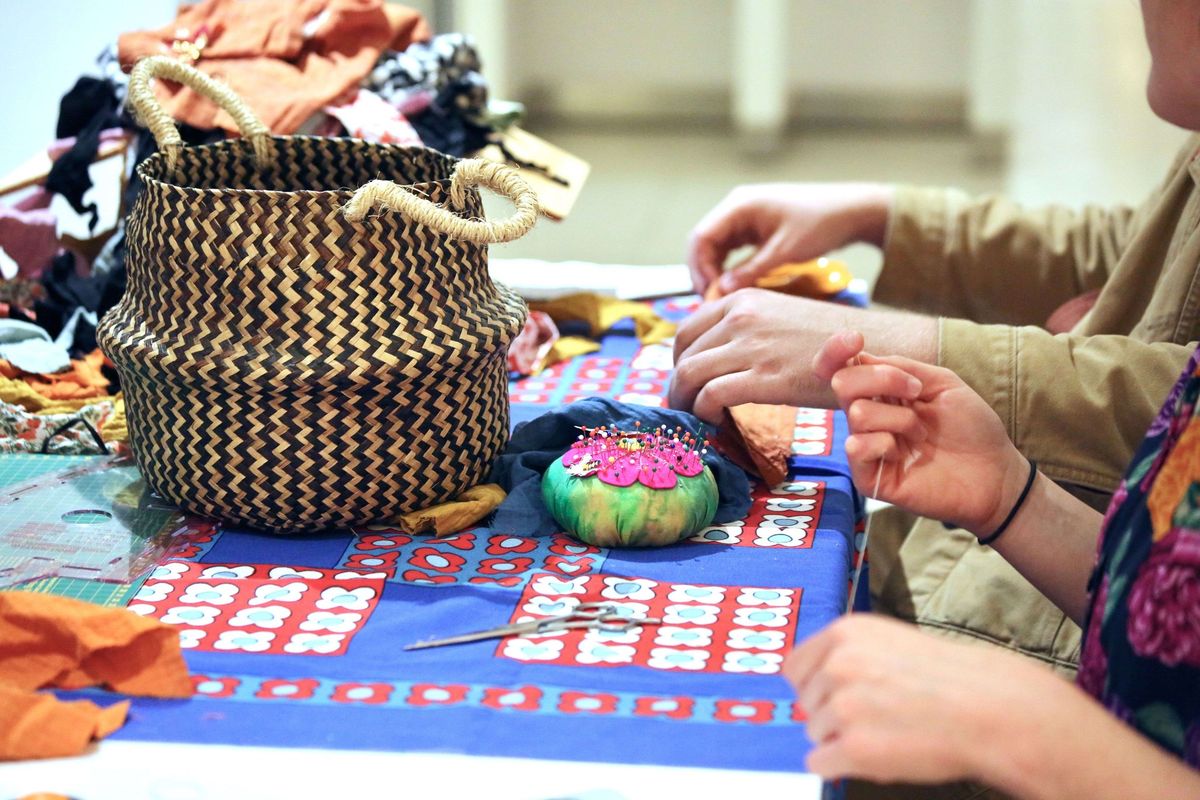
(565, 348)
(462, 512)
(601, 313)
(20, 393)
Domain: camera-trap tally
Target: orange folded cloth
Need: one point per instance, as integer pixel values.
(83, 381)
(52, 641)
(42, 726)
(819, 278)
(286, 58)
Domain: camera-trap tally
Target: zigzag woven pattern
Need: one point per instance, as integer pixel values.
(288, 370)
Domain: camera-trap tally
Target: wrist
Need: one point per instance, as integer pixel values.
(1011, 487)
(869, 217)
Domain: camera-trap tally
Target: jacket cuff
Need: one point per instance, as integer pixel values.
(985, 357)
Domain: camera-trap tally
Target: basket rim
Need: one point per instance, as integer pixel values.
(158, 158)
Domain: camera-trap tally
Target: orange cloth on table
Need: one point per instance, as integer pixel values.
(453, 516)
(758, 438)
(42, 726)
(52, 641)
(84, 380)
(819, 278)
(285, 58)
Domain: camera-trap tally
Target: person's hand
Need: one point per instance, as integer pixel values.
(756, 346)
(945, 452)
(787, 222)
(888, 703)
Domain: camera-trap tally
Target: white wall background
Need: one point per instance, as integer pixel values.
(1063, 78)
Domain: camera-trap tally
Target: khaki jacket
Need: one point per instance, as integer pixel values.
(1077, 403)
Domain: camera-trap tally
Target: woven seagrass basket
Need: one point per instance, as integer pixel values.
(295, 354)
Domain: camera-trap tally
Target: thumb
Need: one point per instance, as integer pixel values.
(764, 259)
(836, 353)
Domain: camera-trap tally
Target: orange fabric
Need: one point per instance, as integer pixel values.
(84, 379)
(285, 58)
(819, 278)
(1173, 481)
(759, 439)
(52, 641)
(42, 726)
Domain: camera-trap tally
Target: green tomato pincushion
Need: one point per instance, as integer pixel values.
(632, 488)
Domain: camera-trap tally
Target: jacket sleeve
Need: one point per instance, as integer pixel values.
(1078, 405)
(990, 260)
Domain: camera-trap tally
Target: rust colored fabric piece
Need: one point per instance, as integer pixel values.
(285, 58)
(758, 439)
(42, 726)
(51, 641)
(462, 512)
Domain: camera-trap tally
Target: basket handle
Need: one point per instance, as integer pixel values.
(469, 173)
(151, 113)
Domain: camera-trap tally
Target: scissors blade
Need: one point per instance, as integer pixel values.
(477, 636)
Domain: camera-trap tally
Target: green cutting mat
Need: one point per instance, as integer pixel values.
(79, 526)
(21, 467)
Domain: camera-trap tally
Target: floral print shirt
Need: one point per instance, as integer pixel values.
(1141, 650)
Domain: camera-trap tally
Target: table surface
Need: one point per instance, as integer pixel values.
(295, 642)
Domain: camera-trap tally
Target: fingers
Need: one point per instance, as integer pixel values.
(693, 373)
(720, 393)
(874, 380)
(692, 328)
(933, 379)
(745, 274)
(718, 334)
(865, 449)
(721, 230)
(870, 416)
(804, 661)
(836, 353)
(829, 760)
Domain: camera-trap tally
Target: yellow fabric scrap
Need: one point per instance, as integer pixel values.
(564, 348)
(451, 517)
(20, 393)
(601, 313)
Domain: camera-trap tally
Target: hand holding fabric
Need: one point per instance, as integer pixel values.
(756, 346)
(945, 453)
(786, 222)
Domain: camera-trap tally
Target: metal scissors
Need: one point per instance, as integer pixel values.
(588, 616)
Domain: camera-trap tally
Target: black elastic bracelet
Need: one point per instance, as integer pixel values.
(1016, 506)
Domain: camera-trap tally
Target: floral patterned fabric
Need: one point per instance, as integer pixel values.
(1141, 650)
(74, 434)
